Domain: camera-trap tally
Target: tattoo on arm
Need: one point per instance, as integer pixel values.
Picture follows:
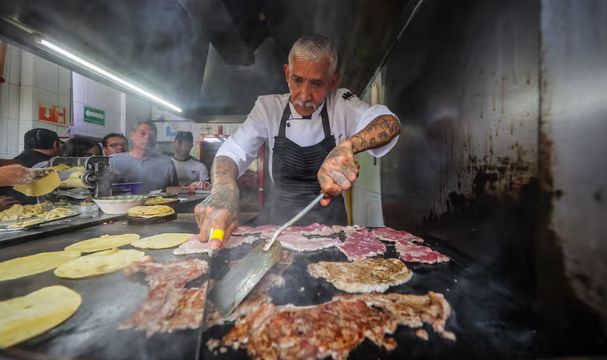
(379, 132)
(225, 192)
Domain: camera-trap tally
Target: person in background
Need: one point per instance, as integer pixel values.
(40, 145)
(142, 164)
(80, 147)
(191, 173)
(114, 143)
(313, 133)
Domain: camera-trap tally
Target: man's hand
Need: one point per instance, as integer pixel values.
(6, 202)
(217, 215)
(198, 185)
(338, 172)
(15, 174)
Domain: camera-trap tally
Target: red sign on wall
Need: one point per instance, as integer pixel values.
(55, 114)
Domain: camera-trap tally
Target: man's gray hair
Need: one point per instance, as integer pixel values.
(147, 122)
(315, 48)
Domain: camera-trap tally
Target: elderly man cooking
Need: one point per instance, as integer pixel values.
(142, 164)
(302, 128)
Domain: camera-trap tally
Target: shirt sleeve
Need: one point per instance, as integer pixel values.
(204, 173)
(363, 113)
(173, 180)
(243, 145)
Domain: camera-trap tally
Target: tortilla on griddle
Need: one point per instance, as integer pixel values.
(30, 315)
(34, 264)
(103, 242)
(151, 211)
(162, 241)
(368, 275)
(98, 263)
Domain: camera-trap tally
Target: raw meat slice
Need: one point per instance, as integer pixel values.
(361, 245)
(236, 240)
(193, 246)
(312, 229)
(297, 242)
(168, 305)
(389, 234)
(410, 252)
(243, 230)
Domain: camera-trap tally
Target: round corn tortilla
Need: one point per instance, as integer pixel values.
(150, 211)
(359, 276)
(39, 187)
(30, 315)
(98, 263)
(162, 241)
(103, 242)
(34, 264)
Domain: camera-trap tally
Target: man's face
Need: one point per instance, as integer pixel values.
(182, 148)
(115, 145)
(144, 137)
(309, 83)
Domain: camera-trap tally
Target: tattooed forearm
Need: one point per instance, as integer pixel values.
(225, 193)
(378, 133)
(224, 169)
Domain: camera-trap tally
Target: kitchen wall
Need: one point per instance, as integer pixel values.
(32, 82)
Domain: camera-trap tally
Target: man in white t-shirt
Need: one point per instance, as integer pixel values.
(190, 172)
(313, 133)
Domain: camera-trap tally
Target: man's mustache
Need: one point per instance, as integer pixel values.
(305, 104)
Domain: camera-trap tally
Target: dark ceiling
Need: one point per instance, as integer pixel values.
(208, 56)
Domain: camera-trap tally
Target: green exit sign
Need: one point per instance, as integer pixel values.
(94, 116)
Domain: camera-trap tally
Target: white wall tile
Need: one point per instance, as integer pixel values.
(65, 80)
(3, 134)
(14, 98)
(27, 69)
(24, 126)
(46, 74)
(27, 112)
(12, 150)
(4, 102)
(6, 72)
(13, 132)
(15, 61)
(78, 88)
(95, 94)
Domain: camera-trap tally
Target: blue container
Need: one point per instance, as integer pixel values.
(127, 188)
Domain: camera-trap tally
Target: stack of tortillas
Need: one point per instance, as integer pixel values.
(27, 316)
(150, 214)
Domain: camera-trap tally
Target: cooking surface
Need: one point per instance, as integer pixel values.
(490, 318)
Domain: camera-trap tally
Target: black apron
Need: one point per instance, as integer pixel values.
(294, 170)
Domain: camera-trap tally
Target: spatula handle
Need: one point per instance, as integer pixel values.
(293, 220)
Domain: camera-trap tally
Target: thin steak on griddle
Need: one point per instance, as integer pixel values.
(361, 245)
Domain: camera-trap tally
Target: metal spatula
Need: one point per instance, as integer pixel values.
(230, 290)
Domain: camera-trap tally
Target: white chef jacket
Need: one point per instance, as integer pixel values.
(347, 116)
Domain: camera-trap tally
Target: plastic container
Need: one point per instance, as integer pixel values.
(135, 188)
(118, 205)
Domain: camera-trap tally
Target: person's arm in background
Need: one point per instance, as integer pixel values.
(339, 170)
(203, 180)
(15, 174)
(219, 211)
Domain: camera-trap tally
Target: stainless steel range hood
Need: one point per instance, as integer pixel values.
(236, 48)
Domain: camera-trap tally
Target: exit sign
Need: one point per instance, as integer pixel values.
(94, 116)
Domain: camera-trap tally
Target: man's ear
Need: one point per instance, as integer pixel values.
(286, 70)
(334, 81)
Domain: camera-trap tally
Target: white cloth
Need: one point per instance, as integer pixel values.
(190, 170)
(347, 116)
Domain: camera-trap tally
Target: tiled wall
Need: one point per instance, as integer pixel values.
(87, 92)
(31, 81)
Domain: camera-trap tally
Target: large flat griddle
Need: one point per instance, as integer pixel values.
(92, 333)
